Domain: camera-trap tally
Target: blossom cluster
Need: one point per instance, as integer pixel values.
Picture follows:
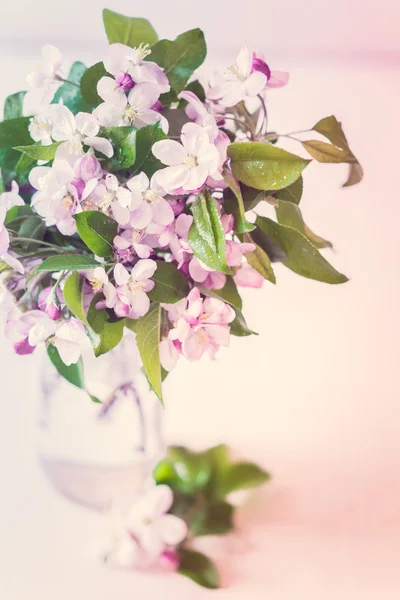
(149, 176)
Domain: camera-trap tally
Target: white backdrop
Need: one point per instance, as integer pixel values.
(314, 398)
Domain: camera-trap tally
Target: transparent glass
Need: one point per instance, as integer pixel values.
(100, 454)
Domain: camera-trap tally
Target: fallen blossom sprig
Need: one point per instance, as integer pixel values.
(130, 200)
(191, 494)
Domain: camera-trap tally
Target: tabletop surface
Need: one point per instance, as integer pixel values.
(315, 398)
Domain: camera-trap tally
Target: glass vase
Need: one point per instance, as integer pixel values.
(100, 455)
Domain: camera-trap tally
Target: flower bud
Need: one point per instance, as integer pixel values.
(87, 168)
(124, 81)
(49, 302)
(169, 559)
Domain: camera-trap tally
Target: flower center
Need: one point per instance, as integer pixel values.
(96, 284)
(235, 71)
(39, 124)
(135, 286)
(68, 201)
(130, 113)
(191, 161)
(151, 197)
(140, 54)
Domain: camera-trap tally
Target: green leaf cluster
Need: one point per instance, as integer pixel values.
(202, 482)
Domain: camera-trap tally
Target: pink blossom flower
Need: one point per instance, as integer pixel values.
(128, 245)
(148, 203)
(150, 524)
(130, 299)
(204, 326)
(49, 301)
(136, 109)
(246, 276)
(55, 199)
(189, 163)
(275, 79)
(238, 82)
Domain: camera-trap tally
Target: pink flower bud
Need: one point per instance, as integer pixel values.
(124, 81)
(23, 347)
(87, 168)
(49, 303)
(169, 559)
(260, 65)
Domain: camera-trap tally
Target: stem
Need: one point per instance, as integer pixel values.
(264, 126)
(67, 81)
(30, 240)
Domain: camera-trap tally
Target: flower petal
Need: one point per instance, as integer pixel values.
(169, 152)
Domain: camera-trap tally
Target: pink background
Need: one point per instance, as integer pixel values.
(315, 398)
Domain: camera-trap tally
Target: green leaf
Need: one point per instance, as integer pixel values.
(239, 326)
(332, 129)
(148, 340)
(128, 30)
(270, 246)
(293, 193)
(302, 257)
(124, 141)
(109, 332)
(183, 470)
(206, 235)
(39, 152)
(170, 284)
(70, 94)
(212, 519)
(251, 197)
(97, 230)
(145, 160)
(229, 293)
(24, 164)
(199, 568)
(236, 208)
(260, 261)
(73, 296)
(89, 81)
(72, 373)
(264, 166)
(242, 475)
(327, 153)
(2, 184)
(181, 57)
(68, 262)
(13, 106)
(34, 228)
(15, 132)
(290, 215)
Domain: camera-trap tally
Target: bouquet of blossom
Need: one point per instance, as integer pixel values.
(129, 199)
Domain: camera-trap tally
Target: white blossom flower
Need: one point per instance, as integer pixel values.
(45, 74)
(11, 198)
(129, 67)
(136, 109)
(189, 163)
(59, 124)
(150, 524)
(237, 82)
(147, 202)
